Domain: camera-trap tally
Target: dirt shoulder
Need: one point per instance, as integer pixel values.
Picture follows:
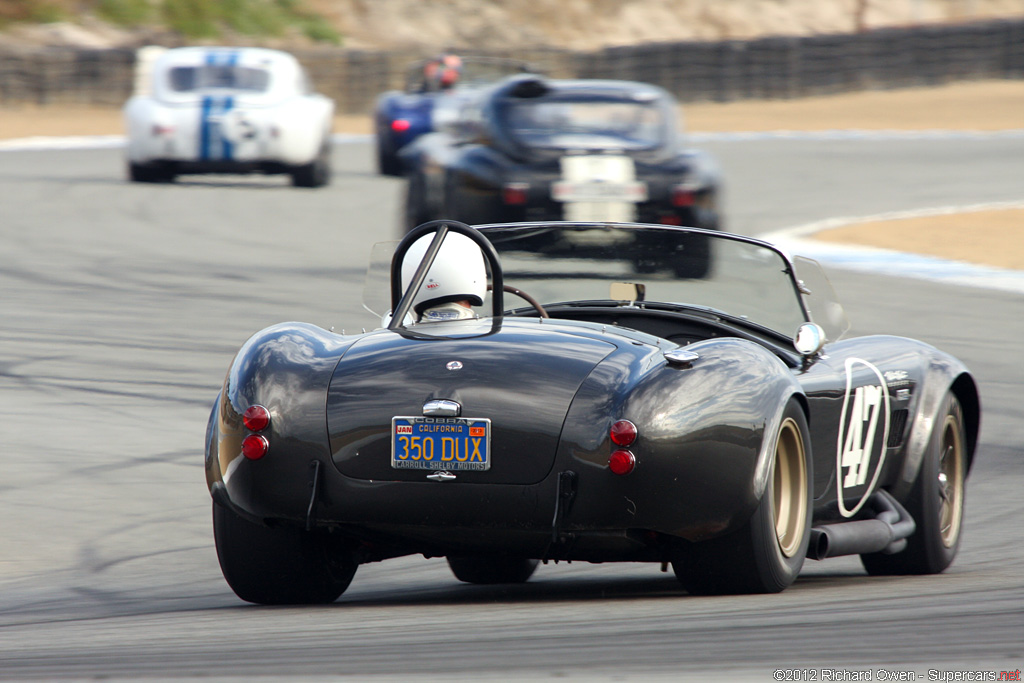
(983, 106)
(986, 238)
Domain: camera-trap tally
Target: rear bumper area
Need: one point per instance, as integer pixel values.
(389, 519)
(567, 516)
(220, 166)
(492, 209)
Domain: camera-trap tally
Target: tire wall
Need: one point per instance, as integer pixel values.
(766, 68)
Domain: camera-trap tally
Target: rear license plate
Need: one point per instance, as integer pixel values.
(441, 443)
(565, 191)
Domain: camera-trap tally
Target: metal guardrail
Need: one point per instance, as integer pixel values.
(767, 68)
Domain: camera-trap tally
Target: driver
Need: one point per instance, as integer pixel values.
(450, 71)
(456, 281)
(443, 72)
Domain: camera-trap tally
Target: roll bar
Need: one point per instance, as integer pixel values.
(401, 302)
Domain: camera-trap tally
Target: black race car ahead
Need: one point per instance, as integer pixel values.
(719, 424)
(535, 149)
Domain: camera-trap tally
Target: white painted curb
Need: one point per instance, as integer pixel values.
(796, 240)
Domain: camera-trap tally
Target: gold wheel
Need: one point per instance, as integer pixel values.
(951, 482)
(789, 488)
(936, 501)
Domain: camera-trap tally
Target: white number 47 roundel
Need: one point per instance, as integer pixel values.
(857, 442)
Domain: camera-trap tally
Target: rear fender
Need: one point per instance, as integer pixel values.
(706, 437)
(304, 127)
(943, 374)
(285, 368)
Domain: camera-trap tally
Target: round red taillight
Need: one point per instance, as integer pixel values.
(256, 418)
(255, 446)
(516, 193)
(400, 125)
(623, 433)
(683, 195)
(621, 462)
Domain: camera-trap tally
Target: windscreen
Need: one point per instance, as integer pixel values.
(820, 298)
(585, 124)
(703, 270)
(219, 76)
(479, 71)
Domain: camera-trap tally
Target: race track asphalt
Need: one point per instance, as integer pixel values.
(123, 305)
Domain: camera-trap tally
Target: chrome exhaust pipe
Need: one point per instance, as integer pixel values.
(886, 533)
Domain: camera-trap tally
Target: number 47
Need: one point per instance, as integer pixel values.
(857, 447)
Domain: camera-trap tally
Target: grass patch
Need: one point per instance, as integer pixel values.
(254, 17)
(318, 29)
(46, 13)
(128, 13)
(191, 18)
(260, 18)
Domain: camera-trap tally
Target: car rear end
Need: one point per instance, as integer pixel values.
(453, 433)
(519, 440)
(227, 110)
(565, 192)
(603, 151)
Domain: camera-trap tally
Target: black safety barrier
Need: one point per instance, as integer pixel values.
(724, 71)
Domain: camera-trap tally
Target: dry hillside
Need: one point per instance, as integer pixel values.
(480, 24)
(589, 24)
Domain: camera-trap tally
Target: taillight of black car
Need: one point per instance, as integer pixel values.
(515, 194)
(622, 433)
(256, 419)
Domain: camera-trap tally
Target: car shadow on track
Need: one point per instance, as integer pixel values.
(568, 589)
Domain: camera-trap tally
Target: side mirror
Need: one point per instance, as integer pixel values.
(809, 339)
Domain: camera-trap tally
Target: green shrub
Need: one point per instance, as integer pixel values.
(254, 17)
(320, 30)
(191, 18)
(125, 12)
(45, 13)
(206, 18)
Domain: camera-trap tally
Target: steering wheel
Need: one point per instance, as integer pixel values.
(525, 297)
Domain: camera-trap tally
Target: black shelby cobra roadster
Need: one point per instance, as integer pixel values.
(601, 408)
(537, 149)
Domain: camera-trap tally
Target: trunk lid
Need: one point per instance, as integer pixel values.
(522, 377)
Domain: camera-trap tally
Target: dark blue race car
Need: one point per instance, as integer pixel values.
(434, 89)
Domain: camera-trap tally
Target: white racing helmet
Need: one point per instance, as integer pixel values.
(458, 272)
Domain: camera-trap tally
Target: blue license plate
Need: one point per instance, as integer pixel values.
(441, 443)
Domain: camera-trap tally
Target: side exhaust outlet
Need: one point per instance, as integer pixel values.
(886, 533)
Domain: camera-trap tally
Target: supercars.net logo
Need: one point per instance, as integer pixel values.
(827, 674)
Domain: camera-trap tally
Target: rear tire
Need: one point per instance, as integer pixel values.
(415, 202)
(492, 570)
(142, 173)
(317, 173)
(280, 565)
(767, 553)
(388, 163)
(936, 502)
